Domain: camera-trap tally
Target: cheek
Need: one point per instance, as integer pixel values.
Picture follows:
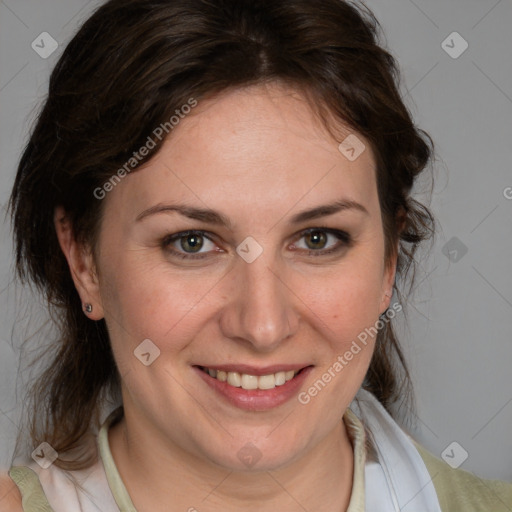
(144, 299)
(349, 301)
(346, 314)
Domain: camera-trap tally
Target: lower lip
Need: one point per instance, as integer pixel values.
(256, 399)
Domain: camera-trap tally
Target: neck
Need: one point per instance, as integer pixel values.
(321, 480)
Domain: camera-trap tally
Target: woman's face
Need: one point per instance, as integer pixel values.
(283, 271)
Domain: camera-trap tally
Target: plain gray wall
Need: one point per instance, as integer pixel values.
(459, 340)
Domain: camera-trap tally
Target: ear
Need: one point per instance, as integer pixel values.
(388, 283)
(390, 270)
(81, 264)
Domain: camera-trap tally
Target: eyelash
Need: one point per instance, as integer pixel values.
(342, 236)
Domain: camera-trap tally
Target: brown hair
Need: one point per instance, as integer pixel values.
(127, 70)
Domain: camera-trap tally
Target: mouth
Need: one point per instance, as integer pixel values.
(251, 388)
(248, 381)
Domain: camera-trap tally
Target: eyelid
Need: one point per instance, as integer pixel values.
(344, 240)
(341, 233)
(169, 239)
(180, 234)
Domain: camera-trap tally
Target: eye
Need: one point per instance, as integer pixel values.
(195, 244)
(188, 244)
(317, 241)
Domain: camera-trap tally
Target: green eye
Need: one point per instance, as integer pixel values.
(192, 241)
(317, 239)
(188, 244)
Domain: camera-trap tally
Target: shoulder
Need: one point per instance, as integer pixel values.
(10, 497)
(458, 489)
(24, 492)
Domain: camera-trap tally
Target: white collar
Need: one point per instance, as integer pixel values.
(400, 482)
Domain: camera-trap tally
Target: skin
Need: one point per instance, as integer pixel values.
(10, 497)
(259, 156)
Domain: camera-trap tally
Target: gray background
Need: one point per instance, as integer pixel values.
(459, 339)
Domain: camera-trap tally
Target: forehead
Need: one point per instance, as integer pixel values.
(252, 148)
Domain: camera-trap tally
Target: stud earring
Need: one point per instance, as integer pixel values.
(88, 308)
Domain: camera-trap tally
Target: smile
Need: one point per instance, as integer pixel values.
(247, 381)
(254, 388)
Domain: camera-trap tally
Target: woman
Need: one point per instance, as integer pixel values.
(216, 203)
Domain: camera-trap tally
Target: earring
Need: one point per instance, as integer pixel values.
(88, 308)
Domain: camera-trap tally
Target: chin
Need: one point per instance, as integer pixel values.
(259, 454)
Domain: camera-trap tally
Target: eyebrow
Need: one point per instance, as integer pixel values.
(217, 218)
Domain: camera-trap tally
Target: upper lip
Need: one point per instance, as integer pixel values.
(254, 370)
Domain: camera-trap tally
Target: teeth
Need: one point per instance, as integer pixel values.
(280, 378)
(246, 381)
(267, 381)
(249, 381)
(289, 375)
(234, 379)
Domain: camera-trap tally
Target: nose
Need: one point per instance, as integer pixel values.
(261, 309)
